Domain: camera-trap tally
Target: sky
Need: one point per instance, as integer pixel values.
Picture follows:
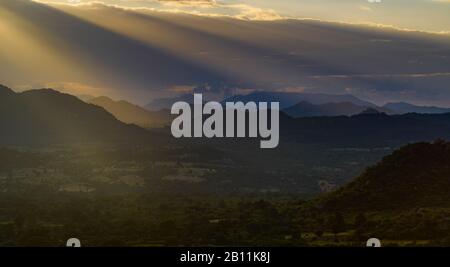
(129, 49)
(425, 15)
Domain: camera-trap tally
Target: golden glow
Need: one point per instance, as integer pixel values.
(28, 53)
(174, 37)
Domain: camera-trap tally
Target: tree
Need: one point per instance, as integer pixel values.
(360, 221)
(319, 227)
(337, 225)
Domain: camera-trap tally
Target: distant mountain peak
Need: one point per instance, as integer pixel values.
(45, 91)
(331, 109)
(102, 98)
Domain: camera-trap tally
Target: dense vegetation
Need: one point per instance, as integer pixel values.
(402, 201)
(418, 175)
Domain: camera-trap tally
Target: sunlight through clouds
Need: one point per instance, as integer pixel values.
(142, 49)
(401, 14)
(210, 8)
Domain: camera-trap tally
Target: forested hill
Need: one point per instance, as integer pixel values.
(417, 175)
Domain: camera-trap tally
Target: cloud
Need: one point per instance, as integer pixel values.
(365, 8)
(192, 3)
(146, 53)
(254, 13)
(211, 8)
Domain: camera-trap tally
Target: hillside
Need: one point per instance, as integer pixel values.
(130, 113)
(402, 107)
(46, 116)
(5, 91)
(167, 102)
(417, 175)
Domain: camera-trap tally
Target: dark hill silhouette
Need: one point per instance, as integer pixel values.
(368, 130)
(370, 111)
(130, 113)
(46, 116)
(417, 175)
(5, 91)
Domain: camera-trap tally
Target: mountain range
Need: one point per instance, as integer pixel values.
(309, 105)
(306, 109)
(317, 104)
(286, 100)
(46, 116)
